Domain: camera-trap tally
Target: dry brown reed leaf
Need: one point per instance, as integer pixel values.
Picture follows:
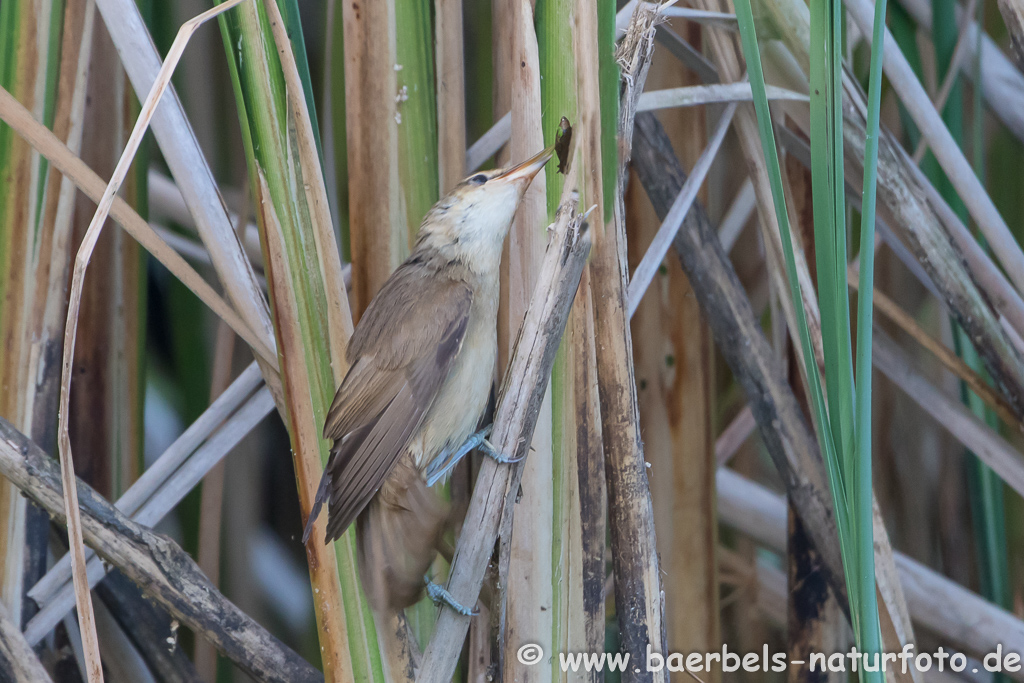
(83, 598)
(993, 399)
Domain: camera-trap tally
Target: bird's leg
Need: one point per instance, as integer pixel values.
(444, 463)
(441, 596)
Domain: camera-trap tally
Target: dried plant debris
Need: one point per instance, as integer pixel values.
(563, 140)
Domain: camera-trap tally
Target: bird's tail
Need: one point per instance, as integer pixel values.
(397, 536)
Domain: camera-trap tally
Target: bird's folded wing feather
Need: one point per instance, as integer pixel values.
(400, 354)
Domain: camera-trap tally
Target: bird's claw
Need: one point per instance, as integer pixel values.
(444, 463)
(441, 596)
(488, 449)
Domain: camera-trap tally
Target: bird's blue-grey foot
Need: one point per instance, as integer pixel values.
(444, 462)
(441, 596)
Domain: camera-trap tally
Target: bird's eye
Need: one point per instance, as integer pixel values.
(478, 179)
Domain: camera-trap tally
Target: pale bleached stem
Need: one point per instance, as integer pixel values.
(950, 413)
(166, 201)
(651, 261)
(737, 215)
(489, 143)
(717, 93)
(735, 435)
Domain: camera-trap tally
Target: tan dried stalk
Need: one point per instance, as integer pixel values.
(638, 587)
(379, 237)
(35, 267)
(451, 93)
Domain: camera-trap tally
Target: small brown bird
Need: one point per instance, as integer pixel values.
(421, 367)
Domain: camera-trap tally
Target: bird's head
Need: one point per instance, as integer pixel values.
(470, 222)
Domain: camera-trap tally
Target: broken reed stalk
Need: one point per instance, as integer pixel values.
(593, 492)
(638, 591)
(165, 572)
(83, 598)
(17, 660)
(522, 393)
(525, 589)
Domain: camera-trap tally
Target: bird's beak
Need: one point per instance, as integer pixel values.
(529, 168)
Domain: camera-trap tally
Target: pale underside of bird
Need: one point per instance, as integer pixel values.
(421, 366)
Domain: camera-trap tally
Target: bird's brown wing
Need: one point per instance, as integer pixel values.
(400, 353)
